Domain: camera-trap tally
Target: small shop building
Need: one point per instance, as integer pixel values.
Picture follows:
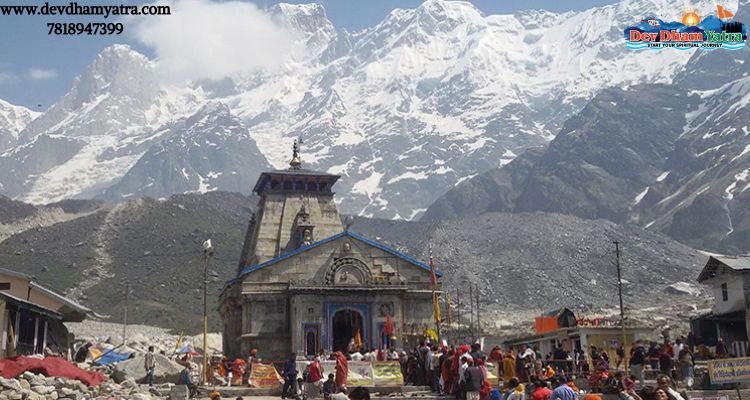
(562, 328)
(728, 279)
(33, 316)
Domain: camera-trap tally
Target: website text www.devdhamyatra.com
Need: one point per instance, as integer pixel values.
(75, 9)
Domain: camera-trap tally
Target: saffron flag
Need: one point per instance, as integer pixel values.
(179, 342)
(358, 339)
(448, 307)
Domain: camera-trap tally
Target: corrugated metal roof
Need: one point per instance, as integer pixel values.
(30, 306)
(70, 303)
(16, 274)
(716, 262)
(736, 263)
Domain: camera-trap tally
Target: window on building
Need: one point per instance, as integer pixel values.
(26, 328)
(724, 292)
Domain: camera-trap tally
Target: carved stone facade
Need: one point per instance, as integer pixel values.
(305, 283)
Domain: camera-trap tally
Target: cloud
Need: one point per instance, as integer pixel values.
(203, 39)
(40, 74)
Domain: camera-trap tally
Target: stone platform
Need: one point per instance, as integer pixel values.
(376, 392)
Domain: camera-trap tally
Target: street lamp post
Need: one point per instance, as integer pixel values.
(208, 252)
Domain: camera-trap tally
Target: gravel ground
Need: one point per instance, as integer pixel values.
(139, 337)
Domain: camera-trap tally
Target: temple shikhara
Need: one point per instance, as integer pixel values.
(306, 283)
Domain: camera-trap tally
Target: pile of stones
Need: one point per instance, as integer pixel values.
(29, 386)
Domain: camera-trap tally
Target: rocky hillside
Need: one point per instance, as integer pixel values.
(535, 261)
(629, 158)
(524, 261)
(152, 246)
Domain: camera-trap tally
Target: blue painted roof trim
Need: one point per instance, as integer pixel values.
(350, 234)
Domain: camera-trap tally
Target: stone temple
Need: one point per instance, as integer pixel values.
(305, 283)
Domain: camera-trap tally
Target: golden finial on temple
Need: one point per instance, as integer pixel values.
(296, 162)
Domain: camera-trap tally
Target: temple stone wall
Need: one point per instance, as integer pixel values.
(276, 221)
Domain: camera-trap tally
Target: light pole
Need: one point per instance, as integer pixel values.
(208, 252)
(622, 308)
(125, 315)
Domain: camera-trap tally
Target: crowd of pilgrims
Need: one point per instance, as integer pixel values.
(525, 373)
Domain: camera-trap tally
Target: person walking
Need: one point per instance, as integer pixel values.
(653, 356)
(687, 364)
(149, 363)
(316, 377)
(665, 362)
(290, 377)
(472, 381)
(637, 363)
(342, 371)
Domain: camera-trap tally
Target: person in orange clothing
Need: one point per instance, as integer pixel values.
(509, 366)
(342, 370)
(238, 371)
(549, 372)
(496, 355)
(222, 369)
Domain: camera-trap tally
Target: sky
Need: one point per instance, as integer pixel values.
(36, 69)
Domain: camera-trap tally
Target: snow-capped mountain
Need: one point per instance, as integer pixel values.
(12, 121)
(403, 110)
(673, 158)
(703, 197)
(207, 151)
(95, 133)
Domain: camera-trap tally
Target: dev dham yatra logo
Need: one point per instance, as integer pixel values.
(709, 33)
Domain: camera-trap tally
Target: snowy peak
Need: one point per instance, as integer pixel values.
(211, 115)
(115, 93)
(207, 151)
(13, 118)
(118, 71)
(308, 22)
(403, 110)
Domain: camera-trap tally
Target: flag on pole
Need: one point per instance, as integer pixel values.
(435, 299)
(448, 307)
(358, 339)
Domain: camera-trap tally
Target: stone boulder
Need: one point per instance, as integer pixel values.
(167, 371)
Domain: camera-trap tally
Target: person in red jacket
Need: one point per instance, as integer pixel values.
(541, 391)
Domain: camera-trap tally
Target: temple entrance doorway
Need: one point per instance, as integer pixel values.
(347, 325)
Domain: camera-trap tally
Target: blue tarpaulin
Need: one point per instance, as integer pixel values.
(112, 357)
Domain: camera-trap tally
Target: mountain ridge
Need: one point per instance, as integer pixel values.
(404, 110)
